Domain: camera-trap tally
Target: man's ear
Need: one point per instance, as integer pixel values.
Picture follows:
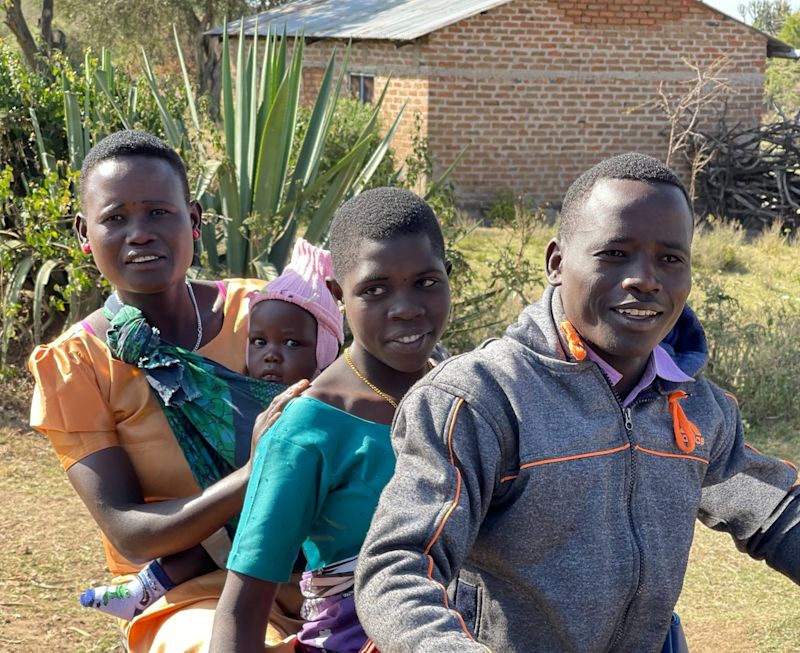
(335, 288)
(448, 267)
(195, 214)
(553, 259)
(80, 228)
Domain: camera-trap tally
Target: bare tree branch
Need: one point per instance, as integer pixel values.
(15, 20)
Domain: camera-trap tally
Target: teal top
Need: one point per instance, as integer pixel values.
(317, 476)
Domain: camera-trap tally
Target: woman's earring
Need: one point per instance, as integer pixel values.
(195, 233)
(86, 247)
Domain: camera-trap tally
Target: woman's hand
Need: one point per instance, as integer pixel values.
(266, 419)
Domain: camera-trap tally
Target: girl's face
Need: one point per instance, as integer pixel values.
(397, 300)
(138, 223)
(281, 342)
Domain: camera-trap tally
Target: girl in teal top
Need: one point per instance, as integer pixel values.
(320, 469)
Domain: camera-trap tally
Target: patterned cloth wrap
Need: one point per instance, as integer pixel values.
(210, 408)
(330, 610)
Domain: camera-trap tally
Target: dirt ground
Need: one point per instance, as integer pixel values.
(49, 549)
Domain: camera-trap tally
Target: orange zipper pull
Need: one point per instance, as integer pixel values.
(687, 435)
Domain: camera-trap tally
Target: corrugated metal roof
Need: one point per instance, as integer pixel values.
(393, 20)
(398, 20)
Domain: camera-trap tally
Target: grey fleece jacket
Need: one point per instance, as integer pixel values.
(529, 512)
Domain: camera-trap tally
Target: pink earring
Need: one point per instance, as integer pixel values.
(195, 233)
(86, 247)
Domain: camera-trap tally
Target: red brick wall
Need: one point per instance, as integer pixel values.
(403, 64)
(541, 89)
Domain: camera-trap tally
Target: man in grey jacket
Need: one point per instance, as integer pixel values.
(547, 483)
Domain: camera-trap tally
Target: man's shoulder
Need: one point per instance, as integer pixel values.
(483, 357)
(483, 375)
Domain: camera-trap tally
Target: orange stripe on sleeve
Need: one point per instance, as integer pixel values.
(732, 398)
(752, 448)
(450, 510)
(458, 478)
(789, 463)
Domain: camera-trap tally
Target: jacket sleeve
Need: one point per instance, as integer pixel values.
(428, 517)
(755, 498)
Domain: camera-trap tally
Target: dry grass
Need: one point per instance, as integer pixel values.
(733, 604)
(49, 553)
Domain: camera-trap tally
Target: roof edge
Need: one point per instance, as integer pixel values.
(775, 47)
(233, 26)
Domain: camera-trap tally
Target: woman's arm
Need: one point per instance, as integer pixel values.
(108, 485)
(242, 614)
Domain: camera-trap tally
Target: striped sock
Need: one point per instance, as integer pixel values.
(126, 600)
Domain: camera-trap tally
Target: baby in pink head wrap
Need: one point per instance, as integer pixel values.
(296, 327)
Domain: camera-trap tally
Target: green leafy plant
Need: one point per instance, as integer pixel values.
(42, 271)
(264, 191)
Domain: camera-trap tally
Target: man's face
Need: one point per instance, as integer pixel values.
(625, 270)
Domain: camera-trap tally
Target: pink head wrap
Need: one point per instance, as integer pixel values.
(302, 282)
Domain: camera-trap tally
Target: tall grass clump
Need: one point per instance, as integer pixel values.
(774, 239)
(753, 353)
(718, 247)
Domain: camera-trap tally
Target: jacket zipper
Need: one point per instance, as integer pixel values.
(628, 421)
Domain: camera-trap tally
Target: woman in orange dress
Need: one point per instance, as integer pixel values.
(112, 430)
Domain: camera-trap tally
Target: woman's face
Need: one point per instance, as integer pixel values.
(138, 223)
(397, 300)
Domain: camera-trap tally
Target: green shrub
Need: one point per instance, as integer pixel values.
(508, 207)
(717, 247)
(24, 88)
(42, 270)
(753, 353)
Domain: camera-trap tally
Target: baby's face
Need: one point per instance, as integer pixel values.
(281, 342)
(625, 271)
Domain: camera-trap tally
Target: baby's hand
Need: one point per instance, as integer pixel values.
(266, 419)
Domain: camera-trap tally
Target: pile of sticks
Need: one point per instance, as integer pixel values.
(751, 176)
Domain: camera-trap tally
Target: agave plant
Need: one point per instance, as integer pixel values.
(262, 197)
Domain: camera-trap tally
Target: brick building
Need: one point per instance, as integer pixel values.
(537, 89)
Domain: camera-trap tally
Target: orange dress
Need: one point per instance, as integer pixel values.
(85, 401)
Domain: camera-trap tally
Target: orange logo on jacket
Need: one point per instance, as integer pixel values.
(687, 435)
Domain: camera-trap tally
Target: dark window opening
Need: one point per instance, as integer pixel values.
(362, 87)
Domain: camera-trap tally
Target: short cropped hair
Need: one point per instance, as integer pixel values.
(131, 142)
(380, 214)
(638, 167)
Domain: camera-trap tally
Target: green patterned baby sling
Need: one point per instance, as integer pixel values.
(210, 408)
